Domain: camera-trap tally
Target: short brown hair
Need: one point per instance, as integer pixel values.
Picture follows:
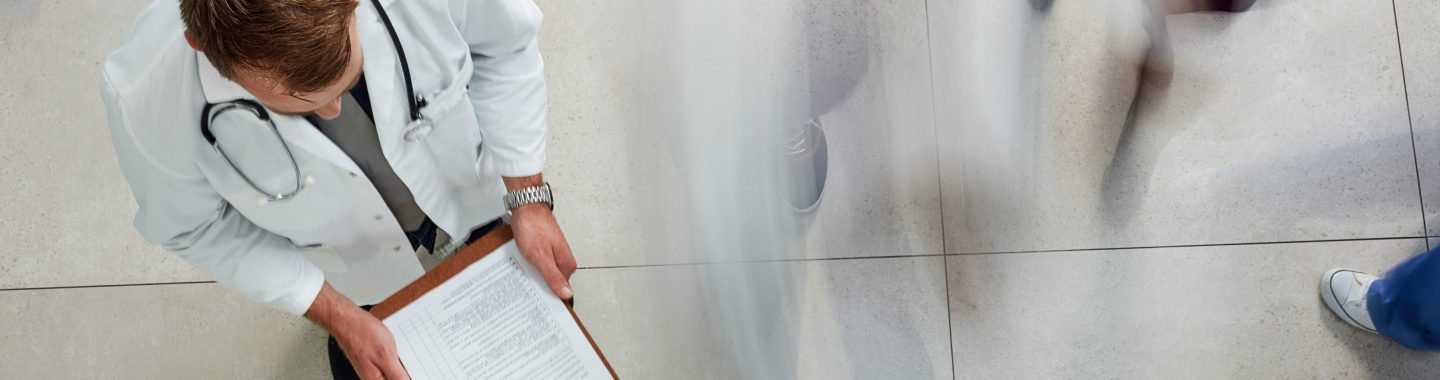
(304, 44)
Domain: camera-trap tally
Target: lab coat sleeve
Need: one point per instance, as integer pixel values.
(182, 213)
(508, 87)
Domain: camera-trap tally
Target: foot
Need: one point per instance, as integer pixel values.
(1345, 292)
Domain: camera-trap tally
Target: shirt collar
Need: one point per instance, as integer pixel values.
(217, 88)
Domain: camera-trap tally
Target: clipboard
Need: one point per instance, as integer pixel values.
(477, 250)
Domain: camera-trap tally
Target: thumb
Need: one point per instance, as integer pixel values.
(555, 279)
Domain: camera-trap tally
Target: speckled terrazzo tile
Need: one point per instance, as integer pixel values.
(65, 209)
(190, 331)
(833, 319)
(862, 70)
(1420, 43)
(1285, 123)
(1236, 312)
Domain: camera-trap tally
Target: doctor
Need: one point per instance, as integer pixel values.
(316, 155)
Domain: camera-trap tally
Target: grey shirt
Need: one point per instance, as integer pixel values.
(354, 132)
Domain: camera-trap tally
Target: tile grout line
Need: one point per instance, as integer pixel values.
(945, 257)
(759, 261)
(107, 286)
(1073, 250)
(1134, 248)
(1409, 118)
(949, 317)
(940, 187)
(824, 259)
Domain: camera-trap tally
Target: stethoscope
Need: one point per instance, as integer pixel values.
(419, 125)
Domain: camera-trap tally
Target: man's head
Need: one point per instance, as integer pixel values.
(295, 56)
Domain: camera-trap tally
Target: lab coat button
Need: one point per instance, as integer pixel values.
(397, 248)
(378, 216)
(309, 181)
(352, 174)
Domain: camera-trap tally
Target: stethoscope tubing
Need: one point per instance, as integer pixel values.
(260, 113)
(415, 103)
(413, 100)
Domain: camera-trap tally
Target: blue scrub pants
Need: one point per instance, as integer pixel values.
(1405, 305)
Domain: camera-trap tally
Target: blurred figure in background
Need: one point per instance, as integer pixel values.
(1156, 67)
(1158, 58)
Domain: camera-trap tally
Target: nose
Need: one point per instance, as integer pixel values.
(330, 110)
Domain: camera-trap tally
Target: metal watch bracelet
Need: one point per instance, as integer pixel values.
(534, 194)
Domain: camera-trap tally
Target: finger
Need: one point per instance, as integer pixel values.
(368, 372)
(393, 370)
(557, 281)
(565, 260)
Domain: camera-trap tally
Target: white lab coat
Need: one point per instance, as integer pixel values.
(337, 228)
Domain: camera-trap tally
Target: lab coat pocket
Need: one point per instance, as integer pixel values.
(456, 137)
(324, 257)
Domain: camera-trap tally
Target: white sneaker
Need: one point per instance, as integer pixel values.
(1345, 291)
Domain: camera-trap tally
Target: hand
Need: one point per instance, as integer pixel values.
(539, 238)
(371, 348)
(366, 341)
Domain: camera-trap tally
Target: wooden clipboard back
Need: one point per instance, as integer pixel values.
(462, 259)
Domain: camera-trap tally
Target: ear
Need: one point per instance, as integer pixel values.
(191, 40)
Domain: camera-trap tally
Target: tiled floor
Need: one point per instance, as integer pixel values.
(64, 207)
(997, 208)
(1419, 34)
(1215, 312)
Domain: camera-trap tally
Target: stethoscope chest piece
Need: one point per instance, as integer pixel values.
(308, 181)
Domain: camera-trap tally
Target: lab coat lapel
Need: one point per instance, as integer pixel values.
(389, 105)
(296, 130)
(300, 133)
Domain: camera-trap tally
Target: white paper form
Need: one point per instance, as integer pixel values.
(496, 319)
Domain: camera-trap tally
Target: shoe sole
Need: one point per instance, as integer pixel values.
(1327, 293)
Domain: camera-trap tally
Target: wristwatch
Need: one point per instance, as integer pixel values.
(534, 194)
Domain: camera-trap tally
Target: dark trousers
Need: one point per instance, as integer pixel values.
(340, 367)
(1405, 305)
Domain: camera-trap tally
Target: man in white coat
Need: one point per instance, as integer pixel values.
(316, 155)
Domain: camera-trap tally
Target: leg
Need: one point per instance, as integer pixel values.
(1404, 305)
(340, 367)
